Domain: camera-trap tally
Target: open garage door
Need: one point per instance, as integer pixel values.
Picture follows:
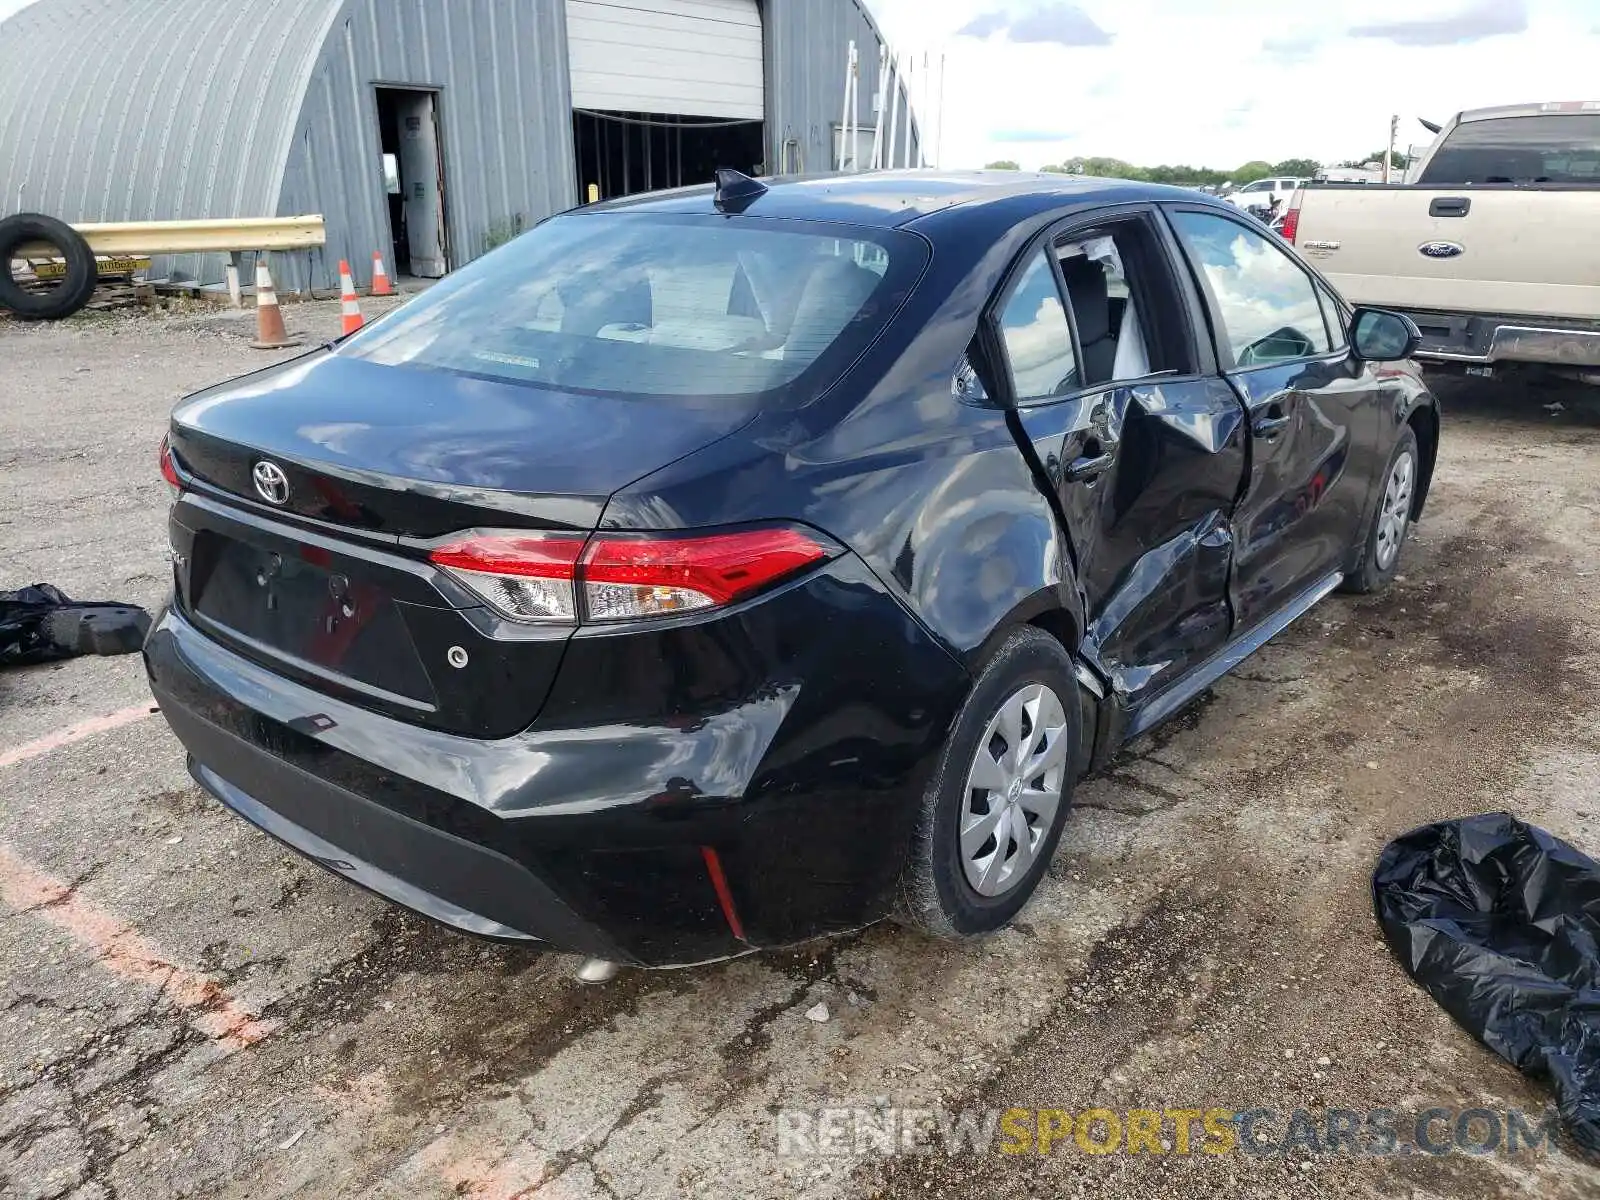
(683, 58)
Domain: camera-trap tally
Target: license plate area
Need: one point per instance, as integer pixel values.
(294, 601)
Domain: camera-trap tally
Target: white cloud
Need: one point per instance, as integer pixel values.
(1220, 82)
(1041, 21)
(1479, 20)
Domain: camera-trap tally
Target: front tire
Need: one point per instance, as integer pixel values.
(1391, 520)
(996, 805)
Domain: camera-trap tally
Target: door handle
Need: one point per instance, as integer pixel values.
(1450, 206)
(1270, 423)
(1089, 466)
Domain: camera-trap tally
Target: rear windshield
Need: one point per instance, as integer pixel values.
(657, 305)
(1555, 148)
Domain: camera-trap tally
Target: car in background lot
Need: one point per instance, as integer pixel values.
(1489, 250)
(1264, 193)
(713, 570)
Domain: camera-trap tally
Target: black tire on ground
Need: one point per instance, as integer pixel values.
(935, 895)
(76, 286)
(1370, 575)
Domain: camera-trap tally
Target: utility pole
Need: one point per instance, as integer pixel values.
(1394, 132)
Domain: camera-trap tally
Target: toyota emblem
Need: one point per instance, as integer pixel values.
(271, 483)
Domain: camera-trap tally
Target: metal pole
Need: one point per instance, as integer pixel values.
(938, 149)
(1394, 132)
(877, 131)
(854, 118)
(908, 82)
(922, 123)
(844, 117)
(894, 109)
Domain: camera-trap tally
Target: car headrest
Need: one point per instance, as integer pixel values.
(833, 295)
(1091, 301)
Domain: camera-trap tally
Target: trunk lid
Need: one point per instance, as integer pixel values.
(415, 453)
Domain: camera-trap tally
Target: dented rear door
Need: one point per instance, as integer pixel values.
(1145, 473)
(1153, 531)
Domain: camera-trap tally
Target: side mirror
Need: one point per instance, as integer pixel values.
(1378, 335)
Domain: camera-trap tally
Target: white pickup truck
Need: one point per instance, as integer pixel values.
(1493, 248)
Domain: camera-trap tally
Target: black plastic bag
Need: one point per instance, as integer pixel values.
(1500, 923)
(41, 623)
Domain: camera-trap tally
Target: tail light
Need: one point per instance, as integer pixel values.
(526, 576)
(1291, 219)
(169, 469)
(615, 577)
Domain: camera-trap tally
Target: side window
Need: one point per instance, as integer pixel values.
(1260, 185)
(1111, 329)
(1266, 306)
(1037, 338)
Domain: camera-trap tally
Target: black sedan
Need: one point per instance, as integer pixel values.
(716, 569)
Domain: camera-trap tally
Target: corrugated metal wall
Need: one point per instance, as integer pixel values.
(505, 120)
(152, 109)
(123, 110)
(807, 45)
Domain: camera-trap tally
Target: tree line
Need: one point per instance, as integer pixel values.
(1116, 168)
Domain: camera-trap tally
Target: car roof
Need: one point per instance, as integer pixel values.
(890, 199)
(1550, 108)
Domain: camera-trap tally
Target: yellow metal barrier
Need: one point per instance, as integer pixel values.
(185, 237)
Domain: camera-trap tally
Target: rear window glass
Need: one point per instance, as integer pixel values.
(1561, 148)
(656, 305)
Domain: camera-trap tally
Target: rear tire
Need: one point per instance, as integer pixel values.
(1391, 520)
(76, 286)
(955, 886)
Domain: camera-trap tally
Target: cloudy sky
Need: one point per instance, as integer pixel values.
(1220, 82)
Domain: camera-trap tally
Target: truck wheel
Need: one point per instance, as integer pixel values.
(75, 287)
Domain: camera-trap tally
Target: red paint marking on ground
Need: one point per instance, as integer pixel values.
(73, 733)
(121, 949)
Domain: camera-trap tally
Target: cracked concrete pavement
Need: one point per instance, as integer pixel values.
(1204, 938)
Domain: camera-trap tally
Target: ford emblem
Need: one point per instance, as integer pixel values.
(1440, 249)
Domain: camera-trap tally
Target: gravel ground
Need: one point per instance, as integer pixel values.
(187, 1009)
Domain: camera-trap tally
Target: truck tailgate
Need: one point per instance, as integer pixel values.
(1521, 249)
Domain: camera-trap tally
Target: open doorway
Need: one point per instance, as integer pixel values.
(413, 171)
(620, 153)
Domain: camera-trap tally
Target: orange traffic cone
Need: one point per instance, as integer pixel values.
(353, 319)
(380, 278)
(270, 333)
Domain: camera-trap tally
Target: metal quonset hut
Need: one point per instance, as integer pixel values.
(428, 129)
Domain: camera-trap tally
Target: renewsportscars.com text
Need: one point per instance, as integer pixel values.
(871, 1130)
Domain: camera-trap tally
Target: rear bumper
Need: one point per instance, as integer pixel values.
(801, 777)
(1484, 340)
(454, 881)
